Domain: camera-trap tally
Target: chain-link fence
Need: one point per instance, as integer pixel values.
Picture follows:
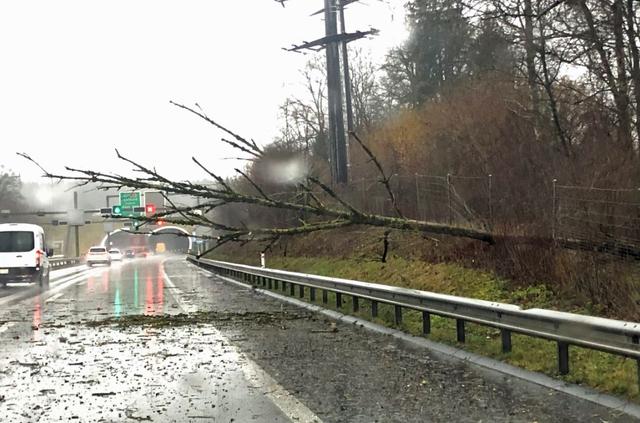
(594, 218)
(600, 219)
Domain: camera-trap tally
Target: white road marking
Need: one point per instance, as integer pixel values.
(7, 326)
(55, 297)
(283, 399)
(253, 373)
(54, 288)
(177, 293)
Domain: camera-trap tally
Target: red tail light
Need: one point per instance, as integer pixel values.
(39, 254)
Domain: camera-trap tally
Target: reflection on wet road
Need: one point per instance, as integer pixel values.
(135, 287)
(54, 366)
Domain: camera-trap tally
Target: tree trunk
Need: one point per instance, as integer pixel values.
(620, 97)
(632, 39)
(530, 59)
(548, 87)
(622, 104)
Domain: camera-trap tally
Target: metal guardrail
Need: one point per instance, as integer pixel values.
(611, 336)
(64, 262)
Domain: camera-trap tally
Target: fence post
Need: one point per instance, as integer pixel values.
(554, 215)
(364, 195)
(263, 260)
(418, 214)
(490, 182)
(449, 198)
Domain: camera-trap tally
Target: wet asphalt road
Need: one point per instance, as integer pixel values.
(243, 357)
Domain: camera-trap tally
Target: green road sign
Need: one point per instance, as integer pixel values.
(129, 201)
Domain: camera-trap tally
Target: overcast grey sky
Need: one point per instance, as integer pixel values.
(78, 78)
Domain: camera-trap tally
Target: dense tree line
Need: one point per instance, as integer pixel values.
(525, 90)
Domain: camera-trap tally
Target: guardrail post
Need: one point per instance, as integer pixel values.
(275, 284)
(312, 294)
(338, 300)
(284, 286)
(269, 283)
(563, 358)
(356, 304)
(398, 315)
(506, 340)
(426, 323)
(374, 308)
(460, 331)
(301, 291)
(325, 296)
(292, 289)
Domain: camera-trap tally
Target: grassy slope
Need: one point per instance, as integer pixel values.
(354, 255)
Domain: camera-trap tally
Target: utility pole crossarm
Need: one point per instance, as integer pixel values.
(322, 42)
(333, 43)
(343, 4)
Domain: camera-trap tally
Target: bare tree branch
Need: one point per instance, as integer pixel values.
(385, 180)
(312, 215)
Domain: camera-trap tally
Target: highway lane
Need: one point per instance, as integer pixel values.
(98, 346)
(53, 367)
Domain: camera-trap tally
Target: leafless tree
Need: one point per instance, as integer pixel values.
(323, 207)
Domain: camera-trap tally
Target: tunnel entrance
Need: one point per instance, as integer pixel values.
(171, 239)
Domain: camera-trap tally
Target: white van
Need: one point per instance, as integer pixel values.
(23, 254)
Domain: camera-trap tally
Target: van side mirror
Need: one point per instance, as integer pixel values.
(49, 252)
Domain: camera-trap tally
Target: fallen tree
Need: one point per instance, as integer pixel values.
(328, 209)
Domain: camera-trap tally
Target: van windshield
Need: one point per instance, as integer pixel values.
(16, 241)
